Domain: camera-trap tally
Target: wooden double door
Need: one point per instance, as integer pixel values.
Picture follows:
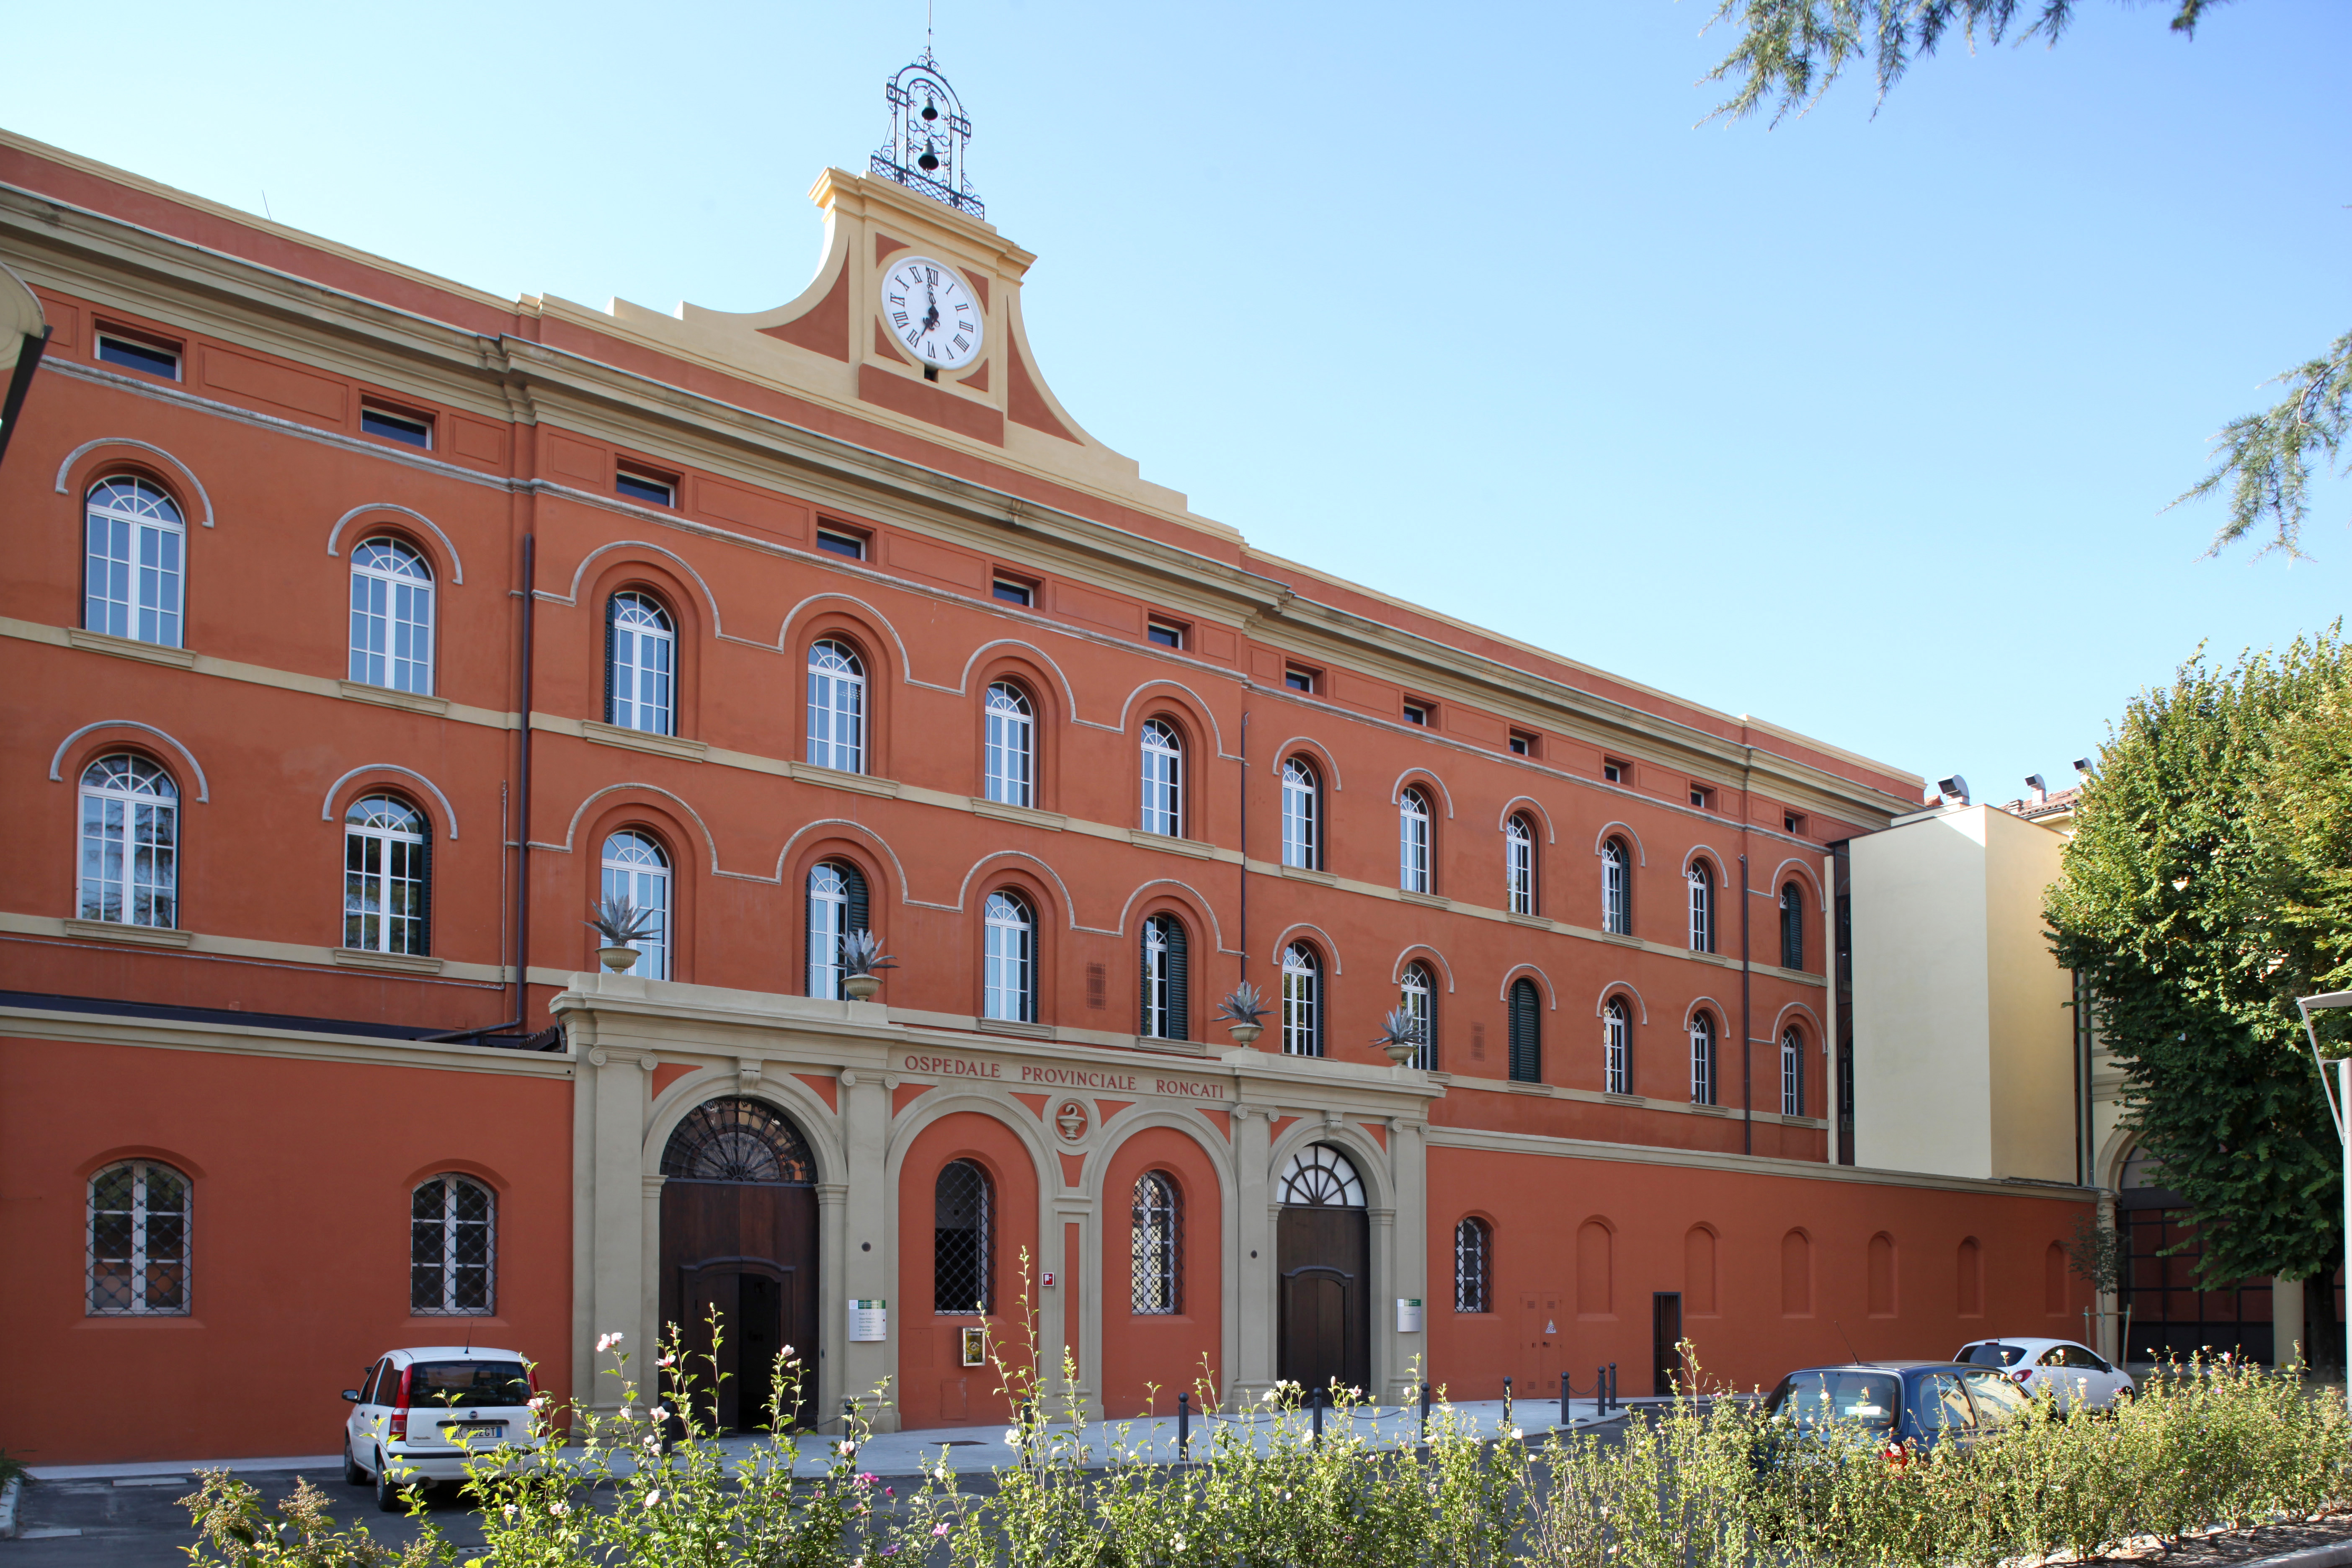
(1323, 1260)
(742, 1255)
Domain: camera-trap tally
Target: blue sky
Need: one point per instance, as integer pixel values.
(1862, 426)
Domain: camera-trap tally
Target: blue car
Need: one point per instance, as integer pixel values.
(1902, 1406)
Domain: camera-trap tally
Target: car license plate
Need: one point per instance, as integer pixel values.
(495, 1426)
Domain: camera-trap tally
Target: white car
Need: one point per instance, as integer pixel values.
(416, 1412)
(2076, 1376)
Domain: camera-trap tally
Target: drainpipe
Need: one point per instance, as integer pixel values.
(1747, 1039)
(1245, 874)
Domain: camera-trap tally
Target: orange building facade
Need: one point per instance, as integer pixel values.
(365, 630)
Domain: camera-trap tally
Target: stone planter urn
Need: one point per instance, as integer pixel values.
(617, 959)
(1401, 1051)
(1247, 1034)
(861, 987)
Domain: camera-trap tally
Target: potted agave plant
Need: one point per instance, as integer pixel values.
(619, 922)
(861, 957)
(1241, 1010)
(1399, 1036)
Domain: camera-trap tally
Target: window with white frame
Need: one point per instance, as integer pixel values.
(387, 882)
(130, 843)
(1419, 1002)
(137, 1240)
(1011, 746)
(1163, 780)
(392, 616)
(1008, 981)
(1412, 841)
(1702, 1042)
(132, 574)
(452, 1249)
(837, 906)
(636, 870)
(1166, 980)
(640, 665)
(1158, 1241)
(1299, 846)
(1617, 1047)
(1702, 907)
(1616, 889)
(1519, 864)
(1792, 1074)
(1473, 1264)
(837, 707)
(1302, 1002)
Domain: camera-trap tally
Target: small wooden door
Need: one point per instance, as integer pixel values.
(1322, 1255)
(1665, 1334)
(1542, 1346)
(746, 1251)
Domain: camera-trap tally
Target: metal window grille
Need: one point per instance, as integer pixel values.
(1792, 1074)
(387, 888)
(1008, 978)
(737, 1139)
(1320, 1176)
(1702, 907)
(1472, 1261)
(1616, 890)
(1159, 1247)
(1412, 842)
(1792, 927)
(1526, 1032)
(1420, 1003)
(392, 616)
(1617, 1044)
(1519, 864)
(641, 659)
(138, 1240)
(960, 1255)
(836, 707)
(130, 843)
(1010, 735)
(1163, 780)
(1702, 1042)
(636, 870)
(1297, 814)
(452, 1247)
(1302, 1020)
(131, 576)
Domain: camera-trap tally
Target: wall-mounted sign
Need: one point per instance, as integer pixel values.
(975, 1347)
(1117, 1082)
(869, 1321)
(1046, 1279)
(1408, 1314)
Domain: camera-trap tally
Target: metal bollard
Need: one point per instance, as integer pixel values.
(1614, 1403)
(1566, 1390)
(1424, 1413)
(1314, 1403)
(1184, 1426)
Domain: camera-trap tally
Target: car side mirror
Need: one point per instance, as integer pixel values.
(351, 1396)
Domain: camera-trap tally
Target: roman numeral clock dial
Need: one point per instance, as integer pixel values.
(931, 310)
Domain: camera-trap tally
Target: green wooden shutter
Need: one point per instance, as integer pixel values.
(1180, 1020)
(859, 916)
(612, 638)
(424, 889)
(1526, 1055)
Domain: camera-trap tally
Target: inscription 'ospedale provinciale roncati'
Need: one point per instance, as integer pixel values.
(1110, 1080)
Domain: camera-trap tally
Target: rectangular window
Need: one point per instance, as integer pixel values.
(143, 354)
(1702, 797)
(1614, 771)
(1415, 713)
(655, 489)
(1166, 636)
(840, 544)
(1794, 822)
(1522, 743)
(1013, 593)
(1299, 680)
(409, 429)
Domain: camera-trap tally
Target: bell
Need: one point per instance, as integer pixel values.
(930, 110)
(928, 161)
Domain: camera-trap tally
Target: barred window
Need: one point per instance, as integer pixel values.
(836, 707)
(640, 665)
(1012, 743)
(132, 572)
(1009, 977)
(1792, 1074)
(1526, 1032)
(1616, 889)
(1702, 1039)
(1617, 1047)
(1302, 1002)
(130, 843)
(1519, 864)
(1474, 1263)
(138, 1225)
(1166, 980)
(1163, 780)
(1702, 907)
(1412, 841)
(392, 616)
(1792, 927)
(1159, 1243)
(1419, 1004)
(387, 885)
(452, 1247)
(1299, 844)
(960, 1255)
(636, 870)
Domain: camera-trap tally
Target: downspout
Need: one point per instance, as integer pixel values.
(1747, 967)
(1244, 873)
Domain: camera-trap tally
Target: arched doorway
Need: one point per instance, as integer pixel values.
(738, 1238)
(1322, 1249)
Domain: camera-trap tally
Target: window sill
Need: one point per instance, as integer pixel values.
(1517, 1086)
(131, 647)
(415, 701)
(1536, 922)
(1170, 1047)
(1027, 815)
(1609, 1098)
(1013, 1026)
(138, 936)
(1710, 1109)
(1426, 901)
(1193, 847)
(1309, 874)
(603, 734)
(391, 963)
(836, 778)
(1620, 937)
(1788, 1120)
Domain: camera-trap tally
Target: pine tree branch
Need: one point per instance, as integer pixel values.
(2267, 457)
(1791, 51)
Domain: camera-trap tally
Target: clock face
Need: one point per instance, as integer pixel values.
(931, 311)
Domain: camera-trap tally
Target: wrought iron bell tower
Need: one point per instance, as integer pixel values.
(928, 132)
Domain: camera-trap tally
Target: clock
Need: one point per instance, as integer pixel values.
(932, 312)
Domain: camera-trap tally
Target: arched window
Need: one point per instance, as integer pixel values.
(1792, 1074)
(1302, 1002)
(1792, 927)
(735, 1138)
(636, 870)
(1702, 907)
(1617, 1047)
(962, 1253)
(1526, 1032)
(130, 843)
(1412, 841)
(1159, 1243)
(837, 906)
(1473, 1265)
(1009, 980)
(1320, 1176)
(1616, 889)
(387, 877)
(640, 665)
(1419, 1004)
(1519, 864)
(1702, 1038)
(1011, 746)
(1163, 780)
(1166, 982)
(392, 616)
(1299, 844)
(139, 1223)
(452, 1247)
(132, 575)
(836, 707)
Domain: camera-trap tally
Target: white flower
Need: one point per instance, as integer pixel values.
(559, 1508)
(1271, 1394)
(653, 1497)
(1177, 1541)
(788, 1350)
(1012, 1436)
(658, 1414)
(1515, 1433)
(848, 1450)
(609, 1341)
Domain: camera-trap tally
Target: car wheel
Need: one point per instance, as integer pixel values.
(354, 1476)
(389, 1498)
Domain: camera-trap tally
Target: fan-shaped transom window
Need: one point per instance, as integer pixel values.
(1474, 1263)
(386, 877)
(1418, 999)
(1702, 907)
(737, 1139)
(637, 871)
(1616, 889)
(1617, 1048)
(640, 665)
(1412, 841)
(1702, 1043)
(1011, 746)
(1320, 1176)
(392, 616)
(1519, 866)
(1008, 960)
(1302, 1001)
(1163, 780)
(452, 1247)
(1157, 1274)
(138, 1240)
(132, 571)
(837, 707)
(963, 1244)
(130, 843)
(1300, 845)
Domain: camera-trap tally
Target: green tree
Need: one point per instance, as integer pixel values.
(1790, 52)
(2203, 890)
